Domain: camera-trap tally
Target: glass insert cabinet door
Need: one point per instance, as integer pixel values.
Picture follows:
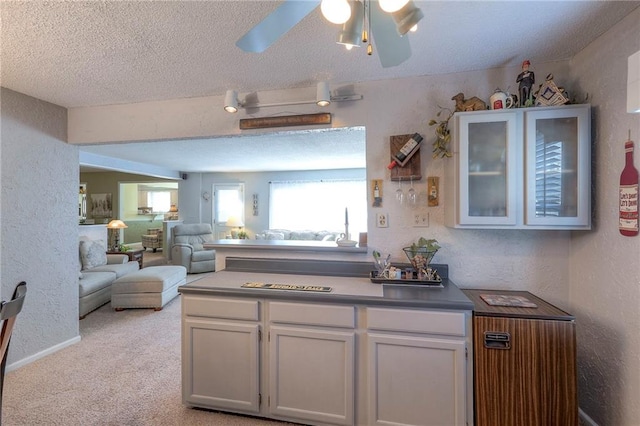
(488, 169)
(558, 167)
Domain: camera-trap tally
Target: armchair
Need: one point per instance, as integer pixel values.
(153, 239)
(187, 249)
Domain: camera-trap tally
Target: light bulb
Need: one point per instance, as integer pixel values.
(391, 6)
(348, 46)
(414, 28)
(336, 11)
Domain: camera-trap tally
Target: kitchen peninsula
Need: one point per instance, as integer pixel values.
(292, 249)
(352, 352)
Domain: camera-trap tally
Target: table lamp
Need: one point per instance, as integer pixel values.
(115, 226)
(234, 222)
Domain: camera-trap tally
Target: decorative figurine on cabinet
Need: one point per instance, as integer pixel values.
(472, 104)
(549, 94)
(526, 79)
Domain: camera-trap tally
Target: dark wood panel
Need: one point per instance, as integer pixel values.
(531, 384)
(545, 310)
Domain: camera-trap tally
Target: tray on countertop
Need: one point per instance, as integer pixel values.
(373, 275)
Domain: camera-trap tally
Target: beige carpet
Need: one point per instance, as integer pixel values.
(125, 371)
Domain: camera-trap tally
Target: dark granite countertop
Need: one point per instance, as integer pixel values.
(347, 290)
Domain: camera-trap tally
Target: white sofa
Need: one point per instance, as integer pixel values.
(287, 234)
(98, 271)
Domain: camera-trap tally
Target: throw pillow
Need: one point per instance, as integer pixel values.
(92, 254)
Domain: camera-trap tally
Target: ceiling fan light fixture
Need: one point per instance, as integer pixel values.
(336, 11)
(407, 17)
(391, 6)
(352, 29)
(231, 101)
(323, 95)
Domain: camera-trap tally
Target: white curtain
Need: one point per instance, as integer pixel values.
(319, 205)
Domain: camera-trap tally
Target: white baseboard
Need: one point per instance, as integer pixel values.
(588, 421)
(48, 351)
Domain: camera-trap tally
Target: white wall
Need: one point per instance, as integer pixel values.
(605, 267)
(39, 223)
(535, 261)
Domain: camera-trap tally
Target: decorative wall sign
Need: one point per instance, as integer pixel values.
(411, 170)
(286, 287)
(285, 121)
(376, 192)
(629, 194)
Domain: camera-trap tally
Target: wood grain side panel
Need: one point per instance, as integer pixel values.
(531, 384)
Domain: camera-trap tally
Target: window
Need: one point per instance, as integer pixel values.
(548, 177)
(319, 205)
(159, 201)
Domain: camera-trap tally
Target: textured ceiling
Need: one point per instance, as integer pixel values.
(75, 53)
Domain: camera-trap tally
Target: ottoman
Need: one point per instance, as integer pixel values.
(151, 287)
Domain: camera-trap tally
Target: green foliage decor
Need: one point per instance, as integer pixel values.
(443, 134)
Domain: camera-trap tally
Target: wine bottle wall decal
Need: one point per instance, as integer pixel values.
(628, 198)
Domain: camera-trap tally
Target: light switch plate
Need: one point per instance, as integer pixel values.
(421, 220)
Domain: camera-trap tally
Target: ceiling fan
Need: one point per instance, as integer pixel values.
(387, 21)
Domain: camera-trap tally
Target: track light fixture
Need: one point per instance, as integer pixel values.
(323, 95)
(231, 101)
(323, 98)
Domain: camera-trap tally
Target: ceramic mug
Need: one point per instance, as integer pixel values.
(500, 100)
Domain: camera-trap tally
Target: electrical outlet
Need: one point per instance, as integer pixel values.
(382, 220)
(421, 220)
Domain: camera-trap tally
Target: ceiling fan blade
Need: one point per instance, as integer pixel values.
(274, 26)
(393, 49)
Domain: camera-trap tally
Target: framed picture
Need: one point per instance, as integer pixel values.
(101, 205)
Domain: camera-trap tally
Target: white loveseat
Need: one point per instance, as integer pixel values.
(98, 271)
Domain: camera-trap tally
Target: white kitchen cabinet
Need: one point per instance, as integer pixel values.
(312, 362)
(527, 168)
(326, 364)
(220, 354)
(421, 377)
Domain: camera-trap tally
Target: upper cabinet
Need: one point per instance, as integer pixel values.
(527, 168)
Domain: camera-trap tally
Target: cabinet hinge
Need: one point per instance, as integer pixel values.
(259, 399)
(259, 335)
(268, 336)
(269, 401)
(466, 353)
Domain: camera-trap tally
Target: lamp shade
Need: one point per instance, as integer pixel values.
(234, 221)
(117, 224)
(231, 101)
(323, 95)
(407, 17)
(351, 32)
(633, 83)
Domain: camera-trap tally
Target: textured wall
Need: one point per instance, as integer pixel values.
(39, 240)
(605, 272)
